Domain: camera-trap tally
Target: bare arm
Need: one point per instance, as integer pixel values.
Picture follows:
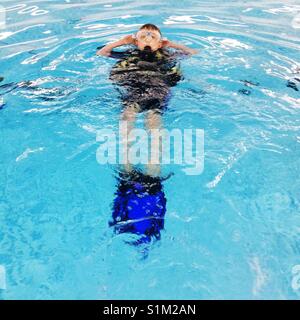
(105, 51)
(185, 49)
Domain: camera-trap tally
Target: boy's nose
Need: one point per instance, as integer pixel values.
(148, 39)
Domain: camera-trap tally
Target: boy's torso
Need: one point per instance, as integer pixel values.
(153, 69)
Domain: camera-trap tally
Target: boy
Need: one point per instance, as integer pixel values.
(144, 77)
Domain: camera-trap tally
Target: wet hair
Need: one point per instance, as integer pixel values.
(150, 26)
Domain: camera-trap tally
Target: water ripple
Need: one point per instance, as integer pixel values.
(242, 89)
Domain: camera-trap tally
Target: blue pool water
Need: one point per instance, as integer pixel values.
(231, 232)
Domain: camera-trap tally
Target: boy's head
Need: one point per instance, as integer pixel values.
(149, 37)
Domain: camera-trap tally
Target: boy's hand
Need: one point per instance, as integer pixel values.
(191, 51)
(128, 39)
(185, 49)
(106, 51)
(165, 43)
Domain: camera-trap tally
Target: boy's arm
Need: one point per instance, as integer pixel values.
(185, 49)
(106, 51)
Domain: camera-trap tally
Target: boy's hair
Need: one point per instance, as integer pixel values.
(150, 26)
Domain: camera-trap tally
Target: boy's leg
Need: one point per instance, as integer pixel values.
(128, 115)
(153, 120)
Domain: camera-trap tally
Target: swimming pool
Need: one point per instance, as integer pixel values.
(231, 232)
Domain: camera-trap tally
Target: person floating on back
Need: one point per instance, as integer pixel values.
(143, 76)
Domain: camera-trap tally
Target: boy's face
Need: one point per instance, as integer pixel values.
(148, 38)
